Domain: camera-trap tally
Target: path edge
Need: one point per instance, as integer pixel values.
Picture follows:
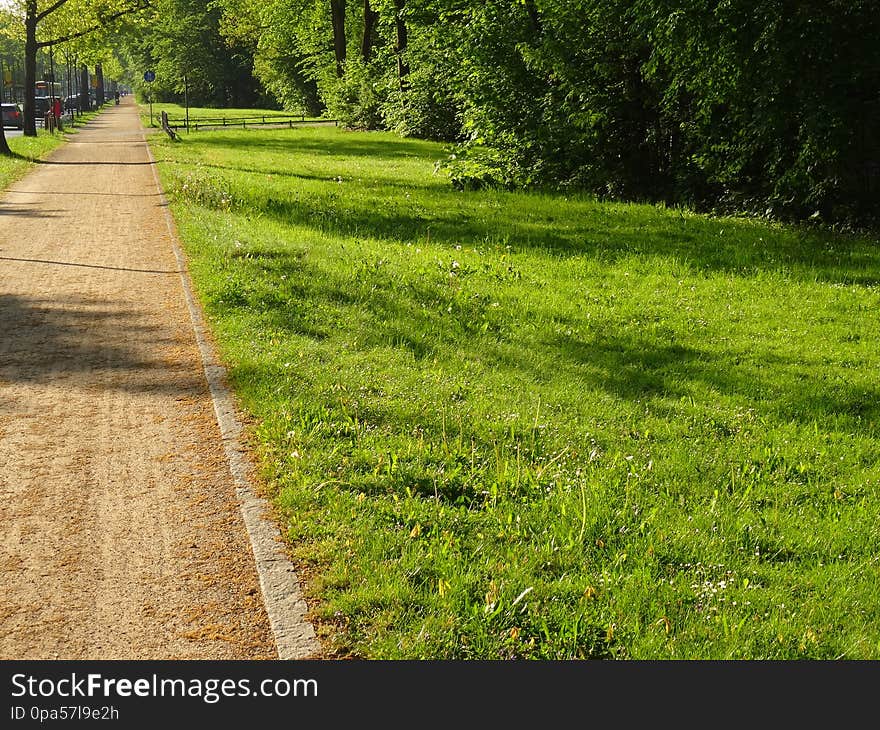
(283, 598)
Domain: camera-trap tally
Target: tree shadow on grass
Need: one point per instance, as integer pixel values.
(375, 181)
(341, 144)
(629, 366)
(562, 227)
(634, 368)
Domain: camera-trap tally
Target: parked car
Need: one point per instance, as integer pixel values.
(12, 116)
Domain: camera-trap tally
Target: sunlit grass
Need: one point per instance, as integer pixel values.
(509, 425)
(26, 151)
(177, 113)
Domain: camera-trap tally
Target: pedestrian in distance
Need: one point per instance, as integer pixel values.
(54, 116)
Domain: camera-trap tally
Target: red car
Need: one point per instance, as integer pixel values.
(12, 116)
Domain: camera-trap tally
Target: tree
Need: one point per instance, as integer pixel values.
(371, 19)
(184, 43)
(286, 38)
(337, 15)
(10, 49)
(401, 43)
(99, 84)
(64, 21)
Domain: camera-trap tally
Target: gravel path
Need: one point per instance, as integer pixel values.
(121, 535)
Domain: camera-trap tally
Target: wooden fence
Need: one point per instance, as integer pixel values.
(246, 122)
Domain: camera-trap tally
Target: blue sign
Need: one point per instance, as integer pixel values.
(149, 76)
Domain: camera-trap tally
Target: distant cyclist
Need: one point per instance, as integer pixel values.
(117, 97)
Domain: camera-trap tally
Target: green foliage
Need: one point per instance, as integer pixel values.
(505, 425)
(474, 167)
(777, 99)
(356, 99)
(280, 59)
(25, 152)
(739, 105)
(430, 108)
(183, 44)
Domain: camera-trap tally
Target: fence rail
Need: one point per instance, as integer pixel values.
(245, 122)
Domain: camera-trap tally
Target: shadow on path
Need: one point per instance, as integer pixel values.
(28, 211)
(89, 163)
(76, 342)
(88, 266)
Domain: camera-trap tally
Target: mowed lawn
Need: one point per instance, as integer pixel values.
(177, 113)
(26, 151)
(503, 425)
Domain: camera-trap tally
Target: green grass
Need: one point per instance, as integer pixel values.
(29, 149)
(177, 112)
(509, 425)
(26, 150)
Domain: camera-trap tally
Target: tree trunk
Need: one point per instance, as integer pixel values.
(85, 103)
(337, 12)
(371, 18)
(534, 17)
(400, 46)
(70, 77)
(4, 145)
(74, 80)
(30, 68)
(99, 91)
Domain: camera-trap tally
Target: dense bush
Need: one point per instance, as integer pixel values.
(742, 105)
(768, 107)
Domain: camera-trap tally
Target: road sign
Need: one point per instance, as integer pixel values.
(149, 76)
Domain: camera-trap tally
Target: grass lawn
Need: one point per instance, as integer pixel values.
(29, 149)
(509, 425)
(26, 149)
(177, 112)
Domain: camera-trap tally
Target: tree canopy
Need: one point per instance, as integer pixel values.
(766, 107)
(769, 107)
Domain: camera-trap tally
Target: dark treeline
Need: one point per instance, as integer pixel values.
(769, 106)
(184, 44)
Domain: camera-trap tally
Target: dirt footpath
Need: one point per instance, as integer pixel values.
(121, 534)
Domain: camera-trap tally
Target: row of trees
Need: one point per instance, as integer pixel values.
(82, 28)
(769, 106)
(765, 105)
(184, 42)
